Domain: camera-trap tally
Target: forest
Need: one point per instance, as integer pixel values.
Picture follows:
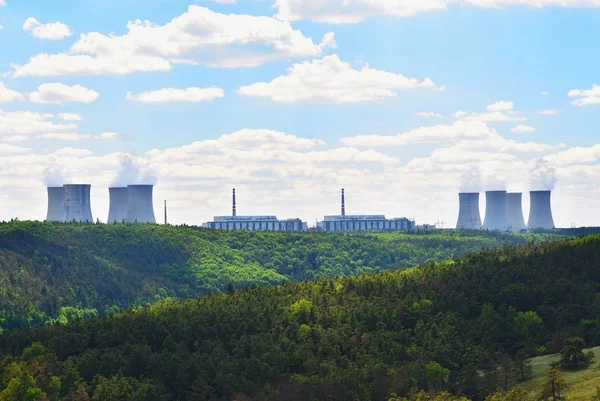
(56, 273)
(464, 327)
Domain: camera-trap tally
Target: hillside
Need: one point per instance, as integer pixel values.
(450, 325)
(60, 272)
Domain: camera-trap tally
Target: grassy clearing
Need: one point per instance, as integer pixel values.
(582, 383)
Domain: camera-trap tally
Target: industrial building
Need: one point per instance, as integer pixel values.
(469, 217)
(540, 212)
(77, 203)
(56, 204)
(496, 216)
(119, 199)
(345, 222)
(140, 207)
(254, 223)
(514, 210)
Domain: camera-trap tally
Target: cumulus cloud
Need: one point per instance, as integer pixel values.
(73, 152)
(548, 112)
(69, 117)
(51, 31)
(177, 95)
(429, 114)
(73, 136)
(500, 106)
(332, 80)
(9, 95)
(522, 129)
(497, 112)
(28, 122)
(545, 93)
(2, 3)
(353, 11)
(198, 36)
(576, 155)
(57, 93)
(6, 148)
(585, 97)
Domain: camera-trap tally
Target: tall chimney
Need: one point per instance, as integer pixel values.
(77, 203)
(469, 217)
(56, 204)
(140, 208)
(540, 214)
(234, 211)
(514, 207)
(343, 203)
(119, 198)
(496, 217)
(166, 213)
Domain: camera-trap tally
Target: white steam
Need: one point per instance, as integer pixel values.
(543, 176)
(53, 174)
(471, 180)
(134, 171)
(494, 182)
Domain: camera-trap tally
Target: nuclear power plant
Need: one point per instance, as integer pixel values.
(77, 203)
(140, 208)
(496, 217)
(56, 204)
(119, 199)
(514, 209)
(469, 217)
(540, 212)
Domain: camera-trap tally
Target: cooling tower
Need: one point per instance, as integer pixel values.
(56, 204)
(77, 203)
(514, 208)
(540, 213)
(496, 217)
(119, 199)
(139, 206)
(469, 217)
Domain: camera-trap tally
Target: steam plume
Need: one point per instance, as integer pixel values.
(470, 181)
(53, 175)
(133, 172)
(543, 176)
(494, 182)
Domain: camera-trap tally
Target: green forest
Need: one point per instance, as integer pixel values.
(56, 273)
(465, 327)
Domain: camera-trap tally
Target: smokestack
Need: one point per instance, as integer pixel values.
(140, 208)
(540, 214)
(496, 217)
(234, 211)
(514, 209)
(77, 203)
(56, 204)
(119, 198)
(469, 217)
(343, 203)
(166, 213)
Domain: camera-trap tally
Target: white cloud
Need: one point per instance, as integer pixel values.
(2, 3)
(28, 122)
(72, 136)
(577, 155)
(6, 148)
(500, 106)
(332, 80)
(9, 95)
(73, 152)
(69, 117)
(177, 95)
(585, 97)
(57, 93)
(429, 114)
(549, 112)
(198, 36)
(15, 138)
(545, 93)
(522, 129)
(51, 31)
(353, 11)
(107, 135)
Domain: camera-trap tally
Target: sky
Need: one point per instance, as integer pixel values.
(403, 103)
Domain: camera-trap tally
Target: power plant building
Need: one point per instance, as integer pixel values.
(540, 212)
(140, 207)
(56, 204)
(514, 209)
(496, 216)
(469, 217)
(119, 200)
(254, 223)
(345, 222)
(77, 203)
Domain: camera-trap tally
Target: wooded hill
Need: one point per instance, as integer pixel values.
(465, 326)
(54, 273)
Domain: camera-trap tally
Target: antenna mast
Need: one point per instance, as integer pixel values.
(234, 211)
(343, 203)
(166, 213)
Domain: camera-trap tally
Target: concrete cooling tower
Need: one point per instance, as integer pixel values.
(139, 206)
(469, 217)
(514, 205)
(496, 217)
(119, 200)
(77, 203)
(540, 213)
(56, 204)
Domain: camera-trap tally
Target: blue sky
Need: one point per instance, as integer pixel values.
(294, 143)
